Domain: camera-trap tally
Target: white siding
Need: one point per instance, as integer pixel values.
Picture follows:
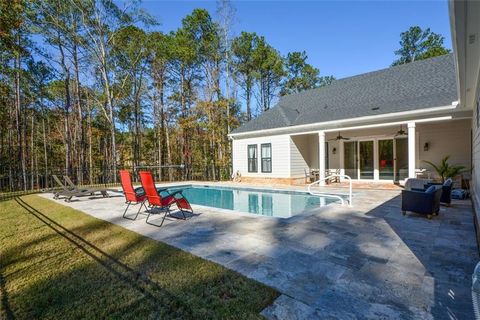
(300, 152)
(333, 159)
(280, 156)
(475, 183)
(445, 138)
(291, 155)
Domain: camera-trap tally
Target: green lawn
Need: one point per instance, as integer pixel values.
(56, 262)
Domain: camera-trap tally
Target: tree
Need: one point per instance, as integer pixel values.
(300, 75)
(159, 63)
(269, 72)
(129, 50)
(243, 48)
(85, 84)
(226, 13)
(100, 20)
(326, 80)
(418, 44)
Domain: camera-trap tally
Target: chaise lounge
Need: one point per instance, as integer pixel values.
(70, 191)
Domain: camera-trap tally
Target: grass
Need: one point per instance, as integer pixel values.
(56, 262)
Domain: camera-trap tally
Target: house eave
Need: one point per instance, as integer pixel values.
(465, 28)
(403, 116)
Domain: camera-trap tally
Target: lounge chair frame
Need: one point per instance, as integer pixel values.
(131, 195)
(70, 191)
(157, 202)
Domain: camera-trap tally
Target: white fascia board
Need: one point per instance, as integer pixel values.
(458, 43)
(380, 125)
(338, 123)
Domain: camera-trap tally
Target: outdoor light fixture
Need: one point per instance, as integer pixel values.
(334, 150)
(426, 146)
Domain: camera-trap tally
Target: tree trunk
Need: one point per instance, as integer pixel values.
(80, 132)
(45, 155)
(19, 117)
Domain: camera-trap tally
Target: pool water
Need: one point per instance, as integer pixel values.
(282, 204)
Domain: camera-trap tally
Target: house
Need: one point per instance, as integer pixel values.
(378, 126)
(465, 27)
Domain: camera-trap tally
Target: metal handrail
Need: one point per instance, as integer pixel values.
(333, 195)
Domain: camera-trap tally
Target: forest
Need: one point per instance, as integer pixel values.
(86, 84)
(89, 86)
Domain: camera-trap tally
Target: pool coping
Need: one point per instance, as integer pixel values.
(216, 210)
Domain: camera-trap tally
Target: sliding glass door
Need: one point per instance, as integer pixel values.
(385, 159)
(358, 159)
(379, 159)
(401, 159)
(350, 157)
(366, 159)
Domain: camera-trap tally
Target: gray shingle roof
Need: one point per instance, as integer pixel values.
(417, 85)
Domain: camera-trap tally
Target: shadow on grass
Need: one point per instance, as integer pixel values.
(94, 269)
(5, 301)
(121, 271)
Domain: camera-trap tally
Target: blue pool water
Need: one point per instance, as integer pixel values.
(282, 204)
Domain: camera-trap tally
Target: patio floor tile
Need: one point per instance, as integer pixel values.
(361, 262)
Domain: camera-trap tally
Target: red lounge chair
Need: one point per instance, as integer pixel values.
(132, 196)
(155, 200)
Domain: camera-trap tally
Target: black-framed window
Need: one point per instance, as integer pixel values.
(252, 158)
(266, 153)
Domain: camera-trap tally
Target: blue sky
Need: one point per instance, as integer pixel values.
(341, 38)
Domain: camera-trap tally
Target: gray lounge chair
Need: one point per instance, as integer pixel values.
(70, 191)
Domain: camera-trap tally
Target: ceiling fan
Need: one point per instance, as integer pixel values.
(339, 137)
(401, 132)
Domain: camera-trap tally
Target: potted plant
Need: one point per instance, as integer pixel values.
(446, 170)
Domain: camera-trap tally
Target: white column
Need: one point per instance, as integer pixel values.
(341, 158)
(321, 156)
(376, 165)
(411, 149)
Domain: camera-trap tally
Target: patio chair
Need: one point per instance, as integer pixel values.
(424, 202)
(309, 176)
(446, 188)
(77, 192)
(67, 191)
(163, 203)
(132, 196)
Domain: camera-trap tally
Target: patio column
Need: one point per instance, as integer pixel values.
(321, 156)
(411, 149)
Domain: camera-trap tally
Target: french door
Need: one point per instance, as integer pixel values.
(366, 158)
(350, 161)
(401, 159)
(386, 163)
(359, 159)
(362, 159)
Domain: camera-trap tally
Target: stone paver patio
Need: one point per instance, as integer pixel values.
(364, 262)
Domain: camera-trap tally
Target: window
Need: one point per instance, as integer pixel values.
(252, 158)
(267, 157)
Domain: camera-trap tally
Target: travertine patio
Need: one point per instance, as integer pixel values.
(364, 262)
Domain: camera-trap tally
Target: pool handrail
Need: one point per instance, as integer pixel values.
(333, 195)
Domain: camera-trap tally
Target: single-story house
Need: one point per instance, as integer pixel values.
(379, 126)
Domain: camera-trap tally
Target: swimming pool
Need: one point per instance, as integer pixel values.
(283, 204)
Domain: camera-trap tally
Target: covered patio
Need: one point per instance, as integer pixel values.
(385, 152)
